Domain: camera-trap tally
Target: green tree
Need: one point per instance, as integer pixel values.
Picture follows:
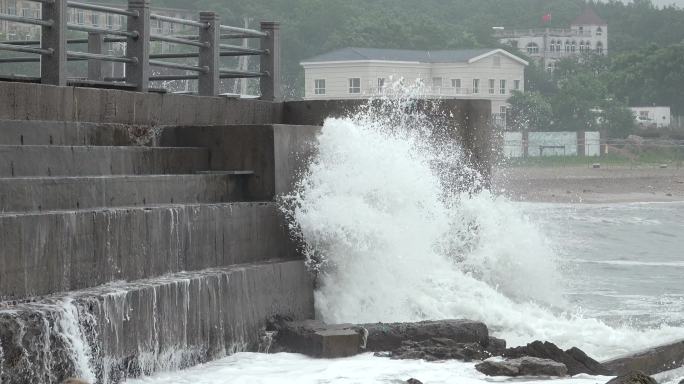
(529, 111)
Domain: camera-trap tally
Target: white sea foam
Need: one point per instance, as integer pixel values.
(396, 235)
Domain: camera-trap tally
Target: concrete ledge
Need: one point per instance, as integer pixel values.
(276, 153)
(23, 194)
(142, 327)
(50, 160)
(22, 101)
(27, 132)
(51, 252)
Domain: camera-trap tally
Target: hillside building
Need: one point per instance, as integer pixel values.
(588, 33)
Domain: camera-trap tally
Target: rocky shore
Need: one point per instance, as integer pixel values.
(583, 184)
(467, 341)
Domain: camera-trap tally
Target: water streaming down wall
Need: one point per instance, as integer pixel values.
(119, 330)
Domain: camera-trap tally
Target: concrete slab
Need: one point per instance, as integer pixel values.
(28, 132)
(317, 339)
(24, 194)
(276, 153)
(145, 326)
(52, 160)
(49, 252)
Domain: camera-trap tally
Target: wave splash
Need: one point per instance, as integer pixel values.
(398, 227)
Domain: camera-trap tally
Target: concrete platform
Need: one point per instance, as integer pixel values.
(26, 132)
(52, 160)
(50, 252)
(112, 332)
(23, 194)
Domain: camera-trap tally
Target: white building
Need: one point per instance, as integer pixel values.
(350, 73)
(652, 117)
(587, 34)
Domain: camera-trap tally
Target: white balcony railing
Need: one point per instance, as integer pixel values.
(559, 32)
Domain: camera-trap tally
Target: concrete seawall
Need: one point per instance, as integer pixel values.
(141, 232)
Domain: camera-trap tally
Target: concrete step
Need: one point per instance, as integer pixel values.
(140, 327)
(49, 252)
(25, 132)
(51, 160)
(23, 194)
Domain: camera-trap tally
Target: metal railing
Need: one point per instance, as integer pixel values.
(53, 53)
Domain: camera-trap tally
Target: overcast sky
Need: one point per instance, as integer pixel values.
(679, 3)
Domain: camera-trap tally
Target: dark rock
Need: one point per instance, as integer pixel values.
(317, 339)
(498, 368)
(390, 336)
(413, 381)
(439, 349)
(634, 377)
(534, 366)
(650, 361)
(681, 382)
(496, 347)
(574, 359)
(524, 366)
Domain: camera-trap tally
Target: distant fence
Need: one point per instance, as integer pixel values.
(540, 144)
(52, 49)
(588, 149)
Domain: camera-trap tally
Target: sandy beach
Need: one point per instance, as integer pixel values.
(582, 184)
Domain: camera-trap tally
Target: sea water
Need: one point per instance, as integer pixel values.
(397, 228)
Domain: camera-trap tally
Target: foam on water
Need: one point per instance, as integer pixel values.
(395, 234)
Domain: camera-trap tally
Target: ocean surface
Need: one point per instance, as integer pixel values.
(623, 264)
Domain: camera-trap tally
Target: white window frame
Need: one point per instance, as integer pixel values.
(456, 84)
(319, 86)
(516, 85)
(381, 83)
(354, 85)
(492, 84)
(476, 86)
(502, 87)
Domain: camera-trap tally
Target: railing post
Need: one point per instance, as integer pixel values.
(53, 67)
(270, 62)
(95, 45)
(139, 48)
(209, 56)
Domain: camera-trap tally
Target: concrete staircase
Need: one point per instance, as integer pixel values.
(121, 257)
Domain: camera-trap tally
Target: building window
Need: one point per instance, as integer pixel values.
(80, 17)
(96, 19)
(553, 45)
(355, 85)
(587, 46)
(567, 45)
(573, 46)
(319, 86)
(497, 61)
(532, 48)
(12, 7)
(491, 86)
(381, 82)
(437, 82)
(581, 46)
(516, 85)
(456, 83)
(110, 21)
(599, 31)
(476, 85)
(502, 87)
(599, 48)
(503, 109)
(26, 12)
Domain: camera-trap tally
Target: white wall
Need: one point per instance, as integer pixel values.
(592, 144)
(660, 116)
(552, 144)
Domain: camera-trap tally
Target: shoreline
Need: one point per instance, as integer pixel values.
(583, 185)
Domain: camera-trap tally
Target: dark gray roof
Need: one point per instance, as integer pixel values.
(348, 54)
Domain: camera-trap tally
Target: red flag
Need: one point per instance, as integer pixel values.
(547, 17)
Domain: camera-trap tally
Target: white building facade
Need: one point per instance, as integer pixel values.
(587, 34)
(350, 73)
(652, 117)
